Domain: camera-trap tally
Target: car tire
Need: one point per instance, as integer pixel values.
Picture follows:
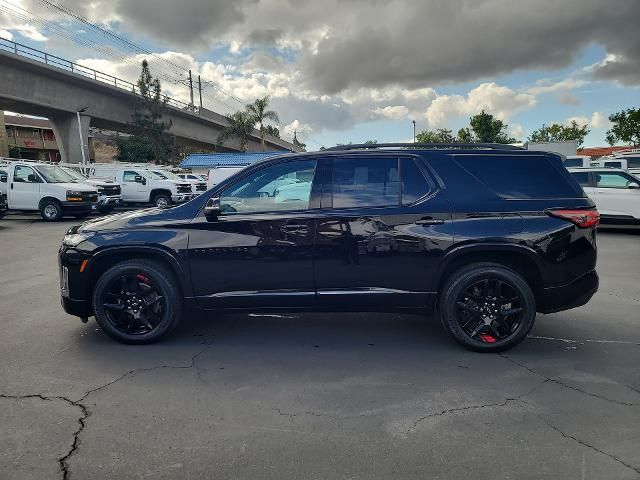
(51, 210)
(487, 307)
(162, 200)
(123, 325)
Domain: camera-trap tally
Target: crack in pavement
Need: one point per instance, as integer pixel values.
(82, 420)
(582, 342)
(592, 447)
(565, 385)
(449, 411)
(623, 297)
(292, 415)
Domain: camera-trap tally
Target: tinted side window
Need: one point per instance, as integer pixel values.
(633, 162)
(365, 182)
(573, 162)
(613, 164)
(284, 186)
(520, 176)
(414, 183)
(582, 178)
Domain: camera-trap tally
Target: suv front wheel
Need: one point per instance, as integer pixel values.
(487, 307)
(137, 301)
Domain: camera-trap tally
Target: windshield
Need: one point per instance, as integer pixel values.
(53, 174)
(74, 173)
(167, 175)
(160, 175)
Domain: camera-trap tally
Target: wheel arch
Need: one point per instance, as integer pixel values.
(522, 260)
(49, 198)
(157, 191)
(106, 258)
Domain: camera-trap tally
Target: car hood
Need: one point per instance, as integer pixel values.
(146, 216)
(78, 187)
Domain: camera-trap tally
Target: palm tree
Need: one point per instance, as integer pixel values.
(240, 127)
(258, 110)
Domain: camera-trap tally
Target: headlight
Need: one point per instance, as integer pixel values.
(75, 239)
(74, 196)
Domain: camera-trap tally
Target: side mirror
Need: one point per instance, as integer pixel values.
(141, 179)
(3, 178)
(32, 178)
(212, 209)
(634, 185)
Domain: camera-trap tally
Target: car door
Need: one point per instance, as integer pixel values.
(617, 195)
(384, 226)
(133, 191)
(24, 188)
(259, 251)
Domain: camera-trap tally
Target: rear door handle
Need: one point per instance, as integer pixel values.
(429, 221)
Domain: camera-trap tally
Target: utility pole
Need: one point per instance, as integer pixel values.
(200, 90)
(414, 131)
(191, 89)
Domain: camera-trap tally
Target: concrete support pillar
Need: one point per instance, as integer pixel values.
(4, 141)
(72, 136)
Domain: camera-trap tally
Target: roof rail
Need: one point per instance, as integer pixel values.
(434, 146)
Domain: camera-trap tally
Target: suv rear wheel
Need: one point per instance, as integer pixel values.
(487, 307)
(137, 302)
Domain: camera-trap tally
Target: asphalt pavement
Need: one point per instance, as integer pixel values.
(313, 396)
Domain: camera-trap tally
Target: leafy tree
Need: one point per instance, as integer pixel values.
(150, 140)
(465, 135)
(14, 151)
(560, 133)
(273, 131)
(259, 110)
(240, 126)
(488, 129)
(371, 142)
(441, 135)
(625, 128)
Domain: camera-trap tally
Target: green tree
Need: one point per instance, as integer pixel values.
(150, 140)
(371, 142)
(259, 110)
(560, 133)
(14, 151)
(441, 135)
(488, 129)
(273, 131)
(625, 128)
(465, 135)
(240, 126)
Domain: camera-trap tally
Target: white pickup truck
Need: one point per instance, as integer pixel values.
(47, 189)
(140, 185)
(197, 186)
(109, 192)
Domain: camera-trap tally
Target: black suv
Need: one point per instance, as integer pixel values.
(487, 235)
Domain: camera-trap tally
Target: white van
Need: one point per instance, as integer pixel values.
(218, 174)
(629, 161)
(197, 186)
(140, 185)
(577, 161)
(48, 189)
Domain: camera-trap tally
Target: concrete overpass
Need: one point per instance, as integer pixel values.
(74, 97)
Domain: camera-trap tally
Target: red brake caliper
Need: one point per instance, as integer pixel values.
(487, 338)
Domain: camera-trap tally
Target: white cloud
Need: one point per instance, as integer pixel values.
(517, 131)
(392, 112)
(6, 34)
(599, 120)
(503, 102)
(545, 86)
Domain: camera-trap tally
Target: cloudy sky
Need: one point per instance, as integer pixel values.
(353, 70)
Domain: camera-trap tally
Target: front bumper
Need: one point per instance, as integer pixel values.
(73, 292)
(77, 207)
(181, 197)
(572, 295)
(106, 201)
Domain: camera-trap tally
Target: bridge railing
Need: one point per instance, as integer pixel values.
(75, 68)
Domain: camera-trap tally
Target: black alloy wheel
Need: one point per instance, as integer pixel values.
(137, 302)
(487, 307)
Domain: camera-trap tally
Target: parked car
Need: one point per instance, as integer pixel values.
(629, 162)
(574, 161)
(197, 185)
(198, 181)
(46, 188)
(140, 185)
(109, 192)
(615, 192)
(486, 235)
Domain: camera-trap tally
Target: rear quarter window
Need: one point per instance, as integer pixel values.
(521, 176)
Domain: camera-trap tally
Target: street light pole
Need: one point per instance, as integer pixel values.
(414, 131)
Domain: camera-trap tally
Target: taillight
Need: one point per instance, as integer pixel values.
(581, 218)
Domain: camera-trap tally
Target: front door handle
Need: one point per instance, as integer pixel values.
(429, 221)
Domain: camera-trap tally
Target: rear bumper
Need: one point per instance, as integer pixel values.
(572, 295)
